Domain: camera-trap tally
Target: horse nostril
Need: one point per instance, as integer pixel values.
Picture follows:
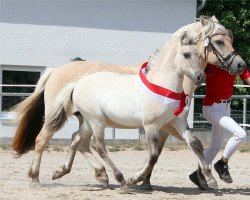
(199, 78)
(239, 66)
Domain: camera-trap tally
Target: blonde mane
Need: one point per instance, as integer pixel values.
(162, 51)
(159, 52)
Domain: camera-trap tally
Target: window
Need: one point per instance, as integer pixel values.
(17, 83)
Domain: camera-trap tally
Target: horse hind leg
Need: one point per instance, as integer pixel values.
(80, 141)
(41, 142)
(75, 140)
(99, 146)
(100, 171)
(66, 168)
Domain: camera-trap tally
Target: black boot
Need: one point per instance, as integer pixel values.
(194, 178)
(222, 169)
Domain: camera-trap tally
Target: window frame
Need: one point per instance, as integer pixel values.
(27, 68)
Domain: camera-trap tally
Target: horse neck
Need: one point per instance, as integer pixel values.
(165, 73)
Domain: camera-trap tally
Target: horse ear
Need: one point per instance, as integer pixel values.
(207, 23)
(196, 38)
(214, 19)
(203, 20)
(184, 38)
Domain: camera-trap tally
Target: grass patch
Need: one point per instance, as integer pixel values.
(140, 147)
(5, 147)
(245, 148)
(115, 148)
(57, 148)
(124, 147)
(176, 147)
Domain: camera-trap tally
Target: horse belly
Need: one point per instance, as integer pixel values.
(111, 96)
(123, 106)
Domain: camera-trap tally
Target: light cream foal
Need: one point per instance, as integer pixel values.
(32, 112)
(103, 97)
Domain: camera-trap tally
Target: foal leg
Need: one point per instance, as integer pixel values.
(152, 133)
(181, 126)
(100, 171)
(80, 141)
(76, 137)
(41, 142)
(98, 131)
(66, 168)
(146, 185)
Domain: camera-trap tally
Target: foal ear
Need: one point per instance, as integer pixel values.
(184, 38)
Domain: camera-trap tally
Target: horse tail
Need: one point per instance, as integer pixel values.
(29, 116)
(62, 109)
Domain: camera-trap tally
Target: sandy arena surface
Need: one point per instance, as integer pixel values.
(169, 179)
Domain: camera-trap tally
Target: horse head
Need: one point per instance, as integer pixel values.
(188, 57)
(216, 46)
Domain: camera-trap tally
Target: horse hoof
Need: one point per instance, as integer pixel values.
(146, 186)
(104, 182)
(212, 184)
(35, 185)
(125, 190)
(130, 182)
(58, 174)
(203, 185)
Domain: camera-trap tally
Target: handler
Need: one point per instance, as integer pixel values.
(216, 109)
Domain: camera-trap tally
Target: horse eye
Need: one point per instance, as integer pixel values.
(219, 42)
(187, 55)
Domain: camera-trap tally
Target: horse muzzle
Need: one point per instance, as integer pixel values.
(200, 78)
(237, 67)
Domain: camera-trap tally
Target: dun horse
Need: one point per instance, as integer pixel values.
(30, 112)
(151, 101)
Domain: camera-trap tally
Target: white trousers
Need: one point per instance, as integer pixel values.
(219, 115)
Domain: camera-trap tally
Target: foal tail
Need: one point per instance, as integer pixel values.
(63, 108)
(29, 116)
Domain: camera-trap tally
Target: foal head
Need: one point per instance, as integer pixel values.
(187, 59)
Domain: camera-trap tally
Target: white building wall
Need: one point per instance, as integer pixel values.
(50, 33)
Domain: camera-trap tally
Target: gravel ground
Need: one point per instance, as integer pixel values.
(169, 179)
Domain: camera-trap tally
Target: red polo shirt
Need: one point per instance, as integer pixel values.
(219, 84)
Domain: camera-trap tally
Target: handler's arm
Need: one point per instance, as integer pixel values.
(245, 76)
(248, 80)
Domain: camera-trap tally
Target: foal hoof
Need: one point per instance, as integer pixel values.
(130, 182)
(146, 186)
(212, 184)
(58, 174)
(125, 190)
(35, 185)
(203, 184)
(104, 182)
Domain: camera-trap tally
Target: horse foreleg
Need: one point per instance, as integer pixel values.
(146, 185)
(41, 142)
(195, 144)
(152, 133)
